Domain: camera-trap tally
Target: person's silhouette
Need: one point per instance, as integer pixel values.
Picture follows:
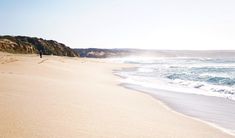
(40, 53)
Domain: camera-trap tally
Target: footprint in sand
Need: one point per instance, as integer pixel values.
(61, 60)
(8, 60)
(2, 57)
(7, 73)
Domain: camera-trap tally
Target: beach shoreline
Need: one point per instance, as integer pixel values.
(209, 107)
(169, 107)
(75, 97)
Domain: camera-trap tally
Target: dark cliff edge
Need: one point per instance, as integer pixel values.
(32, 45)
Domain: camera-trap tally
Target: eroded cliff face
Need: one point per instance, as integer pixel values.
(32, 45)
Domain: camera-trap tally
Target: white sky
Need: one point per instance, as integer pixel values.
(152, 24)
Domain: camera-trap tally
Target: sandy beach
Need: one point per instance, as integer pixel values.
(62, 97)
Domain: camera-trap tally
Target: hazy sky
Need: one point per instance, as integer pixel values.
(154, 24)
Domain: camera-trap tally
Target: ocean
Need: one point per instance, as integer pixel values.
(199, 87)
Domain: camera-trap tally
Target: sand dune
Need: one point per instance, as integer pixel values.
(61, 97)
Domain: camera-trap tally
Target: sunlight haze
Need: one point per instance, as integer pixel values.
(147, 24)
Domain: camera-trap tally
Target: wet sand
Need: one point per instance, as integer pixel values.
(216, 111)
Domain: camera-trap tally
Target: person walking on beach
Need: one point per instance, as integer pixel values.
(40, 53)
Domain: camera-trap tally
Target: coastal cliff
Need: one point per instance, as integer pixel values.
(32, 45)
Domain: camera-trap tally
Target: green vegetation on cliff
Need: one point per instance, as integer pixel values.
(32, 45)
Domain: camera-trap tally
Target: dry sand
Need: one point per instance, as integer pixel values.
(60, 97)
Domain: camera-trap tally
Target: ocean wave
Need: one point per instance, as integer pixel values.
(213, 77)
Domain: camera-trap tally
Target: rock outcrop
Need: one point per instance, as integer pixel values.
(32, 45)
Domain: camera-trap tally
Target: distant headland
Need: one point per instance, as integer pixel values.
(32, 45)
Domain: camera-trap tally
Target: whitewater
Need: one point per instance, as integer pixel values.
(199, 87)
